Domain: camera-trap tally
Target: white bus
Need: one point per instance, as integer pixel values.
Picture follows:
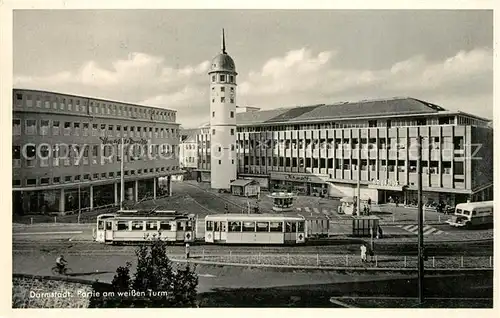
(472, 214)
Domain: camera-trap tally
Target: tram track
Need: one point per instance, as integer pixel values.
(478, 248)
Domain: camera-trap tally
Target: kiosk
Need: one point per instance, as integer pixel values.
(282, 201)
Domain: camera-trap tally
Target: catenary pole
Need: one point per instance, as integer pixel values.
(122, 177)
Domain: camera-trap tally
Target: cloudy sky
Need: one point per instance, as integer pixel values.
(284, 58)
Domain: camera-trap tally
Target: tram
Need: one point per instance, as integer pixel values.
(472, 214)
(254, 229)
(128, 226)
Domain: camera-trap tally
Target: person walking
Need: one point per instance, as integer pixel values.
(187, 250)
(363, 252)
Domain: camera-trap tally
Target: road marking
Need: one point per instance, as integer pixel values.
(429, 231)
(206, 275)
(48, 233)
(307, 209)
(439, 232)
(316, 210)
(410, 228)
(299, 209)
(427, 227)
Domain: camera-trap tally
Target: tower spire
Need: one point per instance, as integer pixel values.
(223, 42)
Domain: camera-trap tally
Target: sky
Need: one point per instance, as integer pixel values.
(284, 58)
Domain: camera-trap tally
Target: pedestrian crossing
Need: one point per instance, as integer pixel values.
(326, 212)
(428, 230)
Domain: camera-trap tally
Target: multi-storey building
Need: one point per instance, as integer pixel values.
(188, 154)
(324, 149)
(66, 151)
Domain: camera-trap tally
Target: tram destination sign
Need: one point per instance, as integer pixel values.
(118, 141)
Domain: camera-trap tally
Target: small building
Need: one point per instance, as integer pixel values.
(245, 188)
(365, 225)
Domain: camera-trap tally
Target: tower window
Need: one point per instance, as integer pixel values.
(232, 89)
(232, 147)
(231, 78)
(213, 100)
(232, 131)
(232, 114)
(232, 161)
(213, 131)
(222, 89)
(219, 149)
(213, 78)
(220, 161)
(222, 99)
(222, 78)
(231, 100)
(213, 114)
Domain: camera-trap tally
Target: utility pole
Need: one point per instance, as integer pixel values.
(420, 224)
(122, 178)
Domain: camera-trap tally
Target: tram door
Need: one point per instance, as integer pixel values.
(109, 230)
(220, 231)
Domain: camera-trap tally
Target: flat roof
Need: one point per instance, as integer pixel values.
(94, 98)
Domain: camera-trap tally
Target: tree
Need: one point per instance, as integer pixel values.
(156, 283)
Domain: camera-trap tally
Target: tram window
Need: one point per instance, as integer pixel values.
(276, 227)
(100, 225)
(262, 227)
(189, 226)
(288, 228)
(109, 226)
(234, 226)
(223, 226)
(301, 226)
(151, 225)
(137, 226)
(248, 226)
(209, 226)
(180, 226)
(122, 226)
(165, 226)
(216, 226)
(294, 227)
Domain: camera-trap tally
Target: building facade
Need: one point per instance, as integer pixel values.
(222, 75)
(325, 149)
(66, 152)
(188, 153)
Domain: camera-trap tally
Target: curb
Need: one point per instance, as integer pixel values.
(58, 278)
(333, 268)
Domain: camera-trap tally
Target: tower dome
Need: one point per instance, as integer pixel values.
(222, 62)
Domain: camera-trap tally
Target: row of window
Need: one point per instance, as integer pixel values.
(223, 100)
(430, 143)
(223, 78)
(89, 177)
(79, 155)
(231, 115)
(223, 89)
(53, 127)
(232, 131)
(82, 105)
(431, 166)
(259, 226)
(147, 226)
(431, 121)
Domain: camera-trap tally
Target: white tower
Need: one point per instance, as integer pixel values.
(222, 119)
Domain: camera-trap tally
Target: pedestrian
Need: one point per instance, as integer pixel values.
(363, 252)
(379, 232)
(369, 202)
(187, 250)
(372, 254)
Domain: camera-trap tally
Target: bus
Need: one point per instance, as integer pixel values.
(472, 214)
(129, 226)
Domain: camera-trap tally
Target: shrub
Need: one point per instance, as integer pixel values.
(156, 283)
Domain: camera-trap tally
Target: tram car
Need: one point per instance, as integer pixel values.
(317, 226)
(129, 226)
(472, 214)
(254, 229)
